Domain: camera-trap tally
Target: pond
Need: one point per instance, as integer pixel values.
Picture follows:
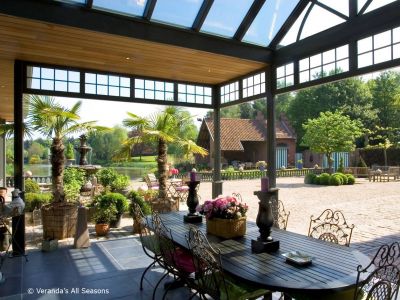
(45, 170)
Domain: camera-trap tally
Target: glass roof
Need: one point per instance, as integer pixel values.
(225, 16)
(178, 12)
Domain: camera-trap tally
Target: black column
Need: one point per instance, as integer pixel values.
(271, 132)
(217, 182)
(18, 223)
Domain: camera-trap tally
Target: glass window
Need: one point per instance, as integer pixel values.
(108, 85)
(253, 85)
(225, 17)
(153, 90)
(178, 12)
(268, 21)
(382, 39)
(126, 7)
(284, 76)
(291, 35)
(53, 79)
(194, 94)
(341, 6)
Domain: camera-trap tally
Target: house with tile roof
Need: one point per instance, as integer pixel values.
(245, 140)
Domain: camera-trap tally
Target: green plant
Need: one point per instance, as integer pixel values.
(35, 159)
(343, 177)
(340, 169)
(137, 198)
(69, 154)
(148, 195)
(324, 179)
(350, 179)
(335, 180)
(120, 182)
(104, 215)
(310, 178)
(74, 178)
(116, 200)
(107, 176)
(36, 200)
(31, 186)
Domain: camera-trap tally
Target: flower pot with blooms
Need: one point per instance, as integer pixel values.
(173, 172)
(225, 216)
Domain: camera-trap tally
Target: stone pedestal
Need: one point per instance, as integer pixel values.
(81, 239)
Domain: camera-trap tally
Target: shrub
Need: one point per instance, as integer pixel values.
(316, 180)
(137, 198)
(335, 180)
(104, 215)
(116, 200)
(36, 200)
(324, 179)
(344, 178)
(149, 195)
(350, 179)
(107, 176)
(230, 169)
(31, 186)
(74, 178)
(310, 178)
(35, 159)
(120, 182)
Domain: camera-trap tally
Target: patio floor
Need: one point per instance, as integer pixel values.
(111, 268)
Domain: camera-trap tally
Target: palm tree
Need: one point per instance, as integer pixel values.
(55, 121)
(163, 128)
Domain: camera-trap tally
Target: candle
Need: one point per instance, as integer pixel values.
(264, 184)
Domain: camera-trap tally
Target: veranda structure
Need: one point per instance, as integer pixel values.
(208, 53)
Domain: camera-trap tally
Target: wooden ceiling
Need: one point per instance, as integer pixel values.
(30, 40)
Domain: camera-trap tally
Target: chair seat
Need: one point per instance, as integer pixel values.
(183, 261)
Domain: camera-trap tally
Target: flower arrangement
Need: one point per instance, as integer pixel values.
(228, 207)
(174, 171)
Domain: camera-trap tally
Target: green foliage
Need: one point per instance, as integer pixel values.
(310, 178)
(69, 153)
(317, 180)
(229, 169)
(36, 200)
(121, 182)
(335, 180)
(350, 179)
(331, 132)
(73, 180)
(31, 186)
(116, 200)
(138, 198)
(107, 176)
(104, 215)
(35, 159)
(324, 179)
(148, 195)
(340, 169)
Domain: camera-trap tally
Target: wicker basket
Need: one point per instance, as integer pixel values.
(227, 228)
(59, 220)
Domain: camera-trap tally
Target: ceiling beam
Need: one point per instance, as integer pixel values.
(100, 21)
(248, 19)
(202, 14)
(288, 23)
(149, 9)
(89, 4)
(379, 20)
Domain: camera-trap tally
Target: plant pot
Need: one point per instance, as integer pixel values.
(102, 229)
(117, 222)
(227, 228)
(59, 220)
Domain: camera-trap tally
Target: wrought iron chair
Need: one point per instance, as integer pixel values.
(382, 275)
(281, 216)
(148, 239)
(210, 279)
(176, 261)
(331, 226)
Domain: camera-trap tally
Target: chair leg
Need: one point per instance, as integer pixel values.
(158, 283)
(144, 272)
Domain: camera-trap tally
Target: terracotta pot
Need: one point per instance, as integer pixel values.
(102, 229)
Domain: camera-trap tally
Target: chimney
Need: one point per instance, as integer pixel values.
(260, 116)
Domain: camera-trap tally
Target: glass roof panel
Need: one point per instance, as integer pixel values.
(268, 21)
(377, 4)
(178, 12)
(225, 17)
(74, 1)
(341, 6)
(360, 4)
(125, 7)
(319, 20)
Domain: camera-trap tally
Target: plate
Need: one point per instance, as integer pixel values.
(297, 257)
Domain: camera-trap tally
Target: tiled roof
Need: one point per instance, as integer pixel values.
(236, 131)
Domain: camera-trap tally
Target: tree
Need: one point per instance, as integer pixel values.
(35, 149)
(246, 110)
(56, 122)
(164, 128)
(331, 132)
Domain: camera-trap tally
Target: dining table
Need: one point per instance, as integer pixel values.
(331, 274)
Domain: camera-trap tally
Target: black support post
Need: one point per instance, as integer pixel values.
(271, 134)
(18, 223)
(217, 182)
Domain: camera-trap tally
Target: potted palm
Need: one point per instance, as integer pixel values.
(103, 217)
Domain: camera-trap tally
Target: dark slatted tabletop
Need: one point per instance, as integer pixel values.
(333, 267)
